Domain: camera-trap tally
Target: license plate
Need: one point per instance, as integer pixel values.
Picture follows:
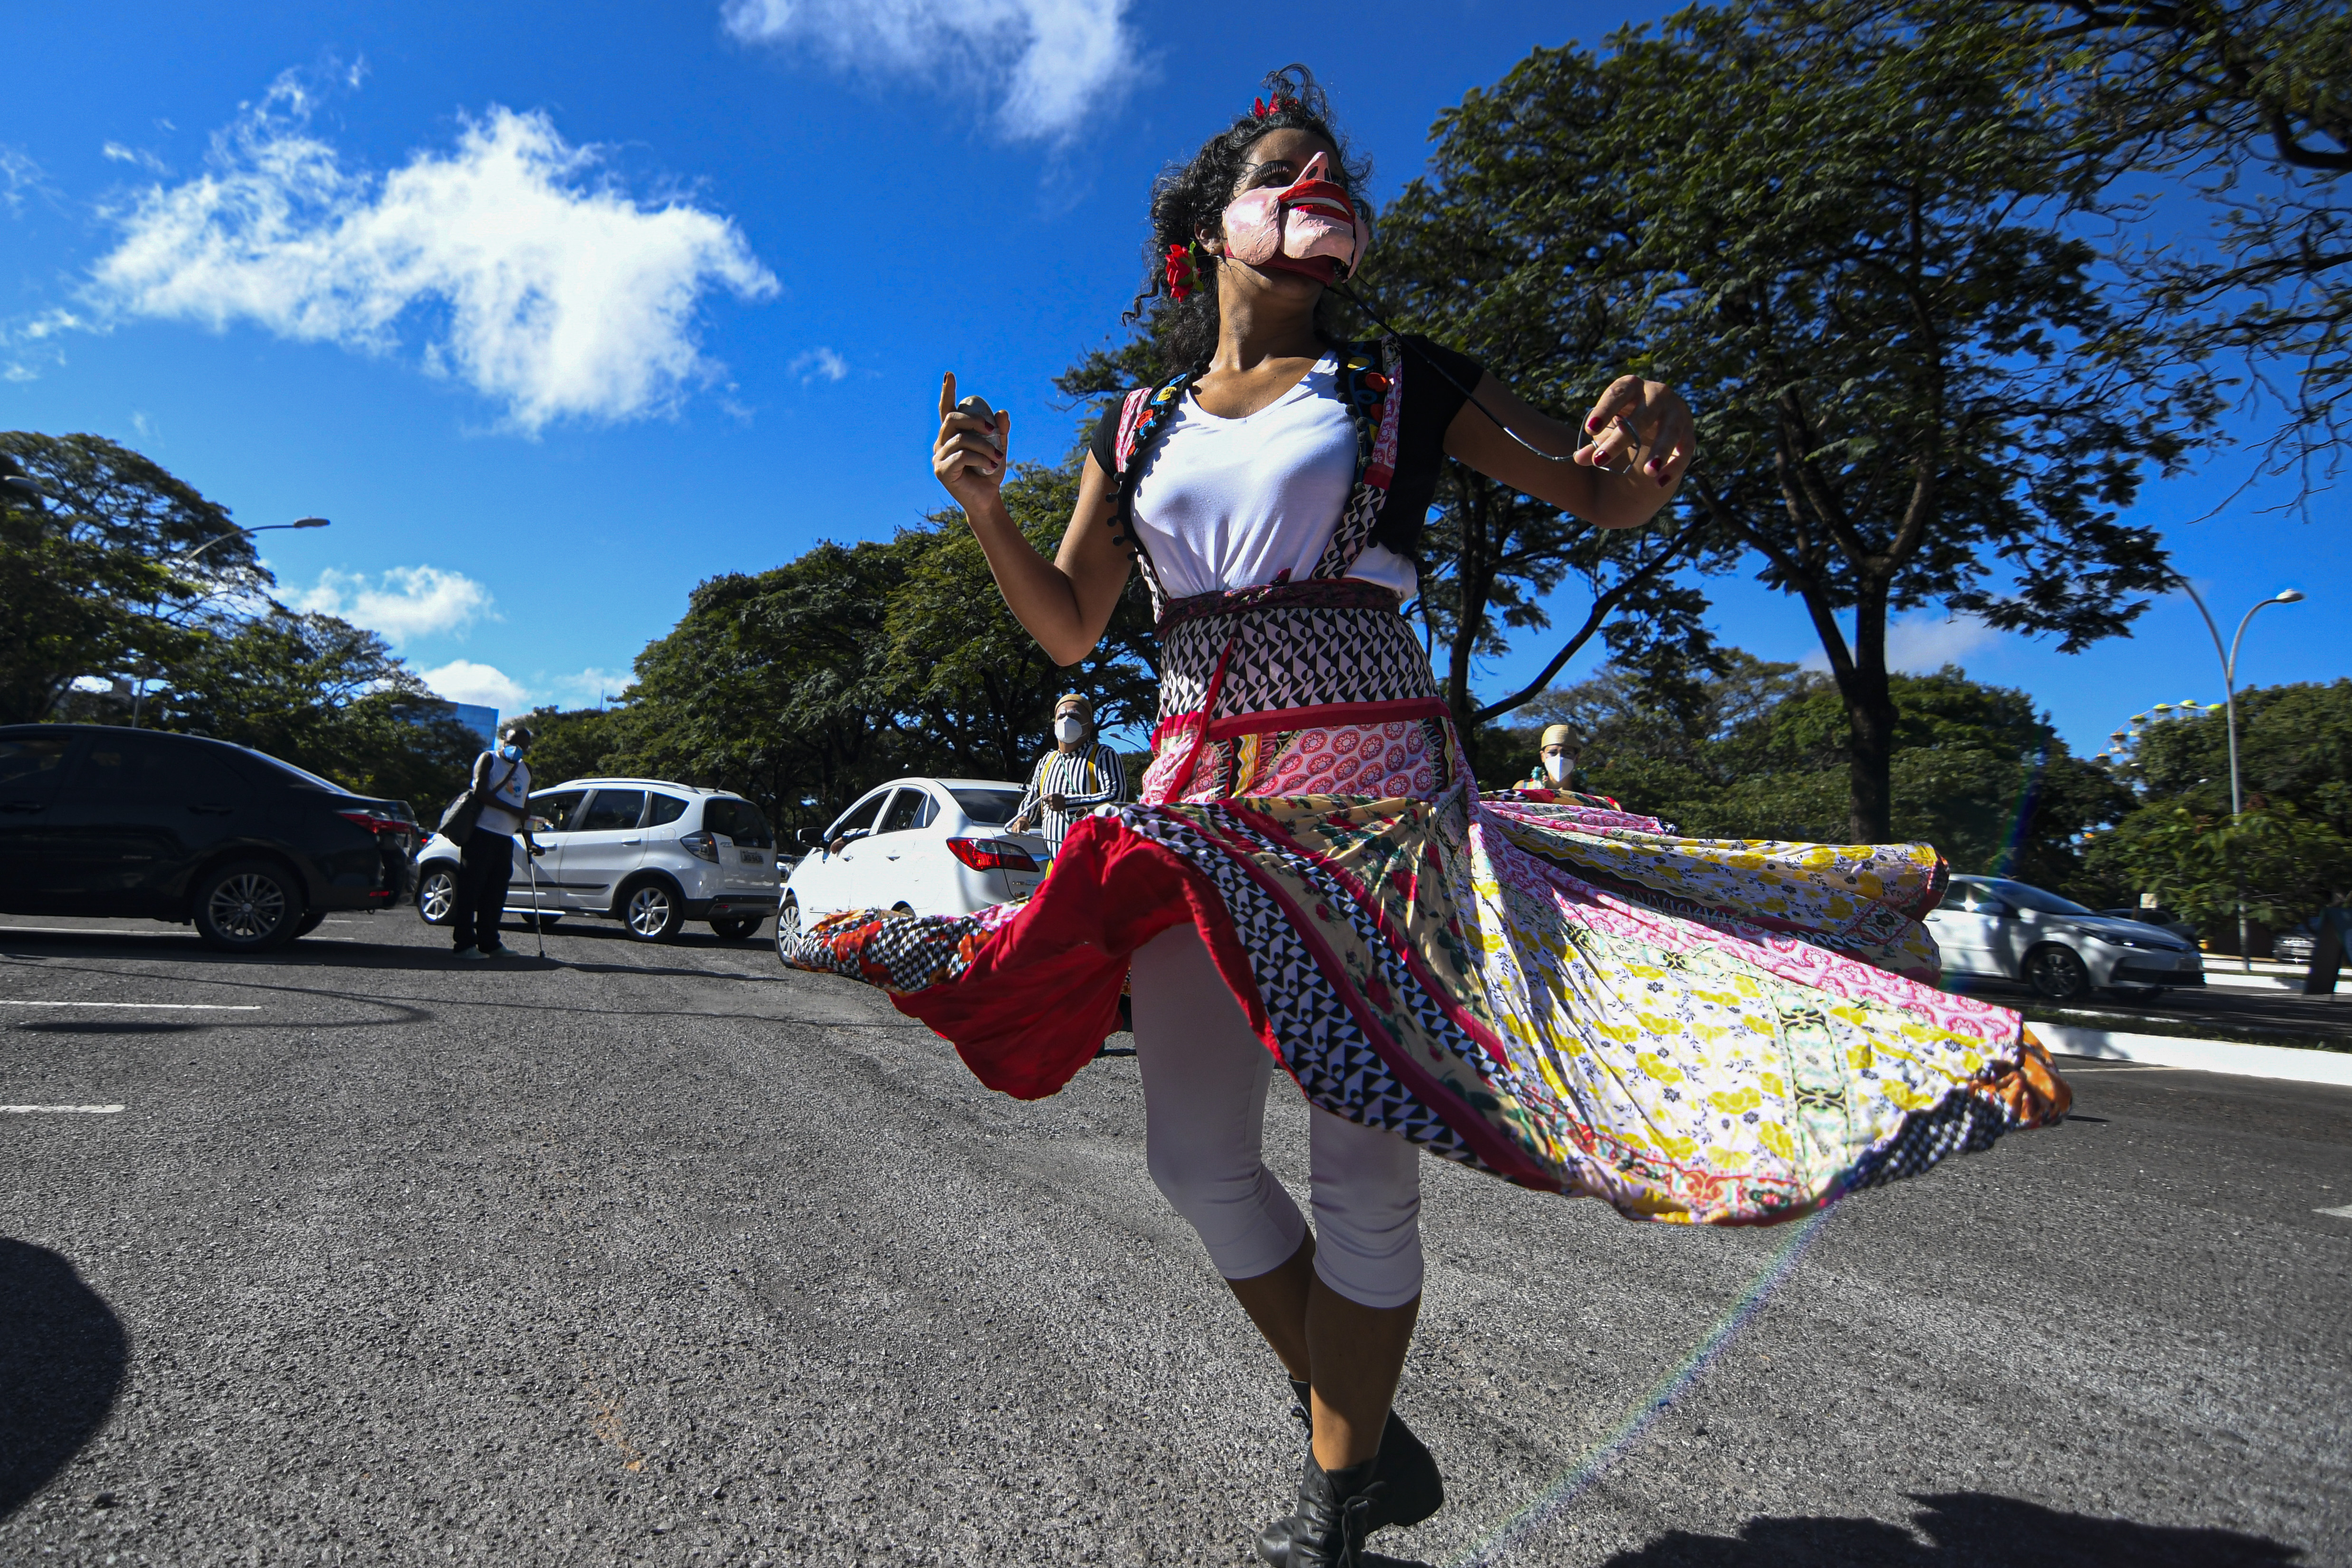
(752, 857)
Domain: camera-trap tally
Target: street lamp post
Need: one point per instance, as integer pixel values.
(187, 555)
(2230, 697)
(139, 691)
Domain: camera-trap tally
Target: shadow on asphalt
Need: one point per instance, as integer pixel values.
(1963, 1528)
(62, 1352)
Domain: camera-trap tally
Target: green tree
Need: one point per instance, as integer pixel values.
(2284, 864)
(1850, 250)
(770, 684)
(2291, 848)
(94, 580)
(804, 686)
(325, 696)
(966, 674)
(579, 744)
(1760, 752)
(2294, 744)
(2251, 100)
(1469, 253)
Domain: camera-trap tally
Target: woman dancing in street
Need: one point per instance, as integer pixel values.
(1562, 995)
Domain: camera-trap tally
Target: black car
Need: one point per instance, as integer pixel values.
(98, 819)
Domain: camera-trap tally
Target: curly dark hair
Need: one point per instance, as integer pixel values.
(1191, 199)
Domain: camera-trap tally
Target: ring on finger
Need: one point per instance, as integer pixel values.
(1631, 452)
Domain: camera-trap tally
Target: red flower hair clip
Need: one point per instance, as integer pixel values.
(1183, 274)
(1260, 108)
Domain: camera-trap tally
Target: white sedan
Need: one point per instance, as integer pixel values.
(1993, 926)
(927, 846)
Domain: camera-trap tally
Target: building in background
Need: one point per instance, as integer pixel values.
(482, 721)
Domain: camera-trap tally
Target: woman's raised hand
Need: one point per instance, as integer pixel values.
(1643, 426)
(969, 456)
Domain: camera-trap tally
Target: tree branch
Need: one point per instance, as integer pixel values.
(1601, 606)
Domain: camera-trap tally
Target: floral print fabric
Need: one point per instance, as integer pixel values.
(1529, 982)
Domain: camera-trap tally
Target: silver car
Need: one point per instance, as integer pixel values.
(645, 852)
(1994, 928)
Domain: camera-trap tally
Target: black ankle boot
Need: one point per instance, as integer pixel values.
(1412, 1490)
(1334, 1515)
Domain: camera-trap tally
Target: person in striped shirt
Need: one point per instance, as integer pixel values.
(1079, 774)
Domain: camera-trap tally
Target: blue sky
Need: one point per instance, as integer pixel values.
(280, 248)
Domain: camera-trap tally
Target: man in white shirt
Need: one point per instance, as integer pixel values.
(486, 860)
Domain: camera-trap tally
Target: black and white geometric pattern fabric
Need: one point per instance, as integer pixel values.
(1278, 658)
(1323, 1046)
(1376, 450)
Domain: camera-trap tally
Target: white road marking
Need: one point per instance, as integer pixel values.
(67, 1110)
(2343, 1213)
(92, 931)
(182, 1007)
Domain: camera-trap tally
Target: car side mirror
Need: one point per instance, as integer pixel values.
(810, 838)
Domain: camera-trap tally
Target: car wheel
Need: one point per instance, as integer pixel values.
(788, 927)
(650, 911)
(311, 923)
(436, 894)
(247, 906)
(2058, 973)
(734, 930)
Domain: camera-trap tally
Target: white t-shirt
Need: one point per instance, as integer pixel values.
(509, 796)
(1231, 503)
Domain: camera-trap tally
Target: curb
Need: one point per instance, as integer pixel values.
(2232, 979)
(2199, 1055)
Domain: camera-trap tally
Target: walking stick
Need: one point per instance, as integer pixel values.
(538, 913)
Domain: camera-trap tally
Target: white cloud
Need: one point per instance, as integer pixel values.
(405, 602)
(1924, 643)
(25, 346)
(463, 680)
(819, 362)
(589, 687)
(117, 152)
(18, 175)
(538, 284)
(1048, 63)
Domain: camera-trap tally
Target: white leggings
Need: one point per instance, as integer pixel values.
(1205, 1082)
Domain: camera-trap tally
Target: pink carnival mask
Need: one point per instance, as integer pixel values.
(1310, 227)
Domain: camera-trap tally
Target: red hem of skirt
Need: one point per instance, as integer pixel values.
(1042, 992)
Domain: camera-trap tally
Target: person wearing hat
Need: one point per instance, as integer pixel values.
(1079, 774)
(501, 782)
(1555, 765)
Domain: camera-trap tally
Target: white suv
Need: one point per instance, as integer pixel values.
(646, 853)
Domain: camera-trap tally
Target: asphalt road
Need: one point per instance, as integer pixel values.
(662, 1255)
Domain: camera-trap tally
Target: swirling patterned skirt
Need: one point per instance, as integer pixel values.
(1532, 983)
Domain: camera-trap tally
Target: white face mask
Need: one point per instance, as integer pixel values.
(1069, 727)
(1557, 766)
